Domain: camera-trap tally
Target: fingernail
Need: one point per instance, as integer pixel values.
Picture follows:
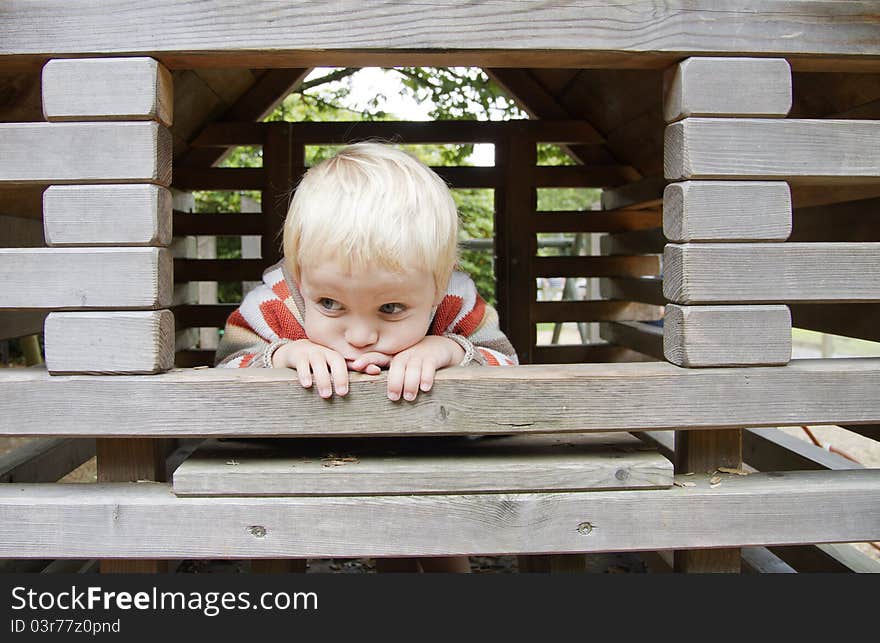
(409, 397)
(393, 396)
(324, 392)
(425, 387)
(342, 390)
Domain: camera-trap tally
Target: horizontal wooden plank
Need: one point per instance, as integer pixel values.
(573, 462)
(219, 178)
(590, 311)
(120, 89)
(637, 266)
(146, 520)
(758, 148)
(648, 290)
(579, 176)
(219, 269)
(324, 133)
(850, 320)
(633, 243)
(19, 232)
(871, 431)
(79, 278)
(849, 221)
(193, 358)
(827, 558)
(584, 354)
(713, 211)
(642, 194)
(589, 221)
(700, 336)
(202, 315)
(775, 450)
(578, 29)
(129, 152)
(110, 342)
(526, 399)
(18, 323)
(107, 215)
(45, 459)
(719, 86)
(638, 336)
(227, 223)
(771, 272)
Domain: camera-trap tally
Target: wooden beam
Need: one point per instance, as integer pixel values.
(105, 89)
(719, 86)
(592, 311)
(218, 224)
(135, 152)
(850, 221)
(219, 269)
(771, 272)
(81, 278)
(585, 354)
(713, 211)
(635, 242)
(648, 290)
(646, 193)
(216, 178)
(110, 342)
(849, 320)
(45, 460)
(107, 215)
(775, 450)
(598, 221)
(766, 148)
(147, 520)
(701, 336)
(635, 266)
(596, 397)
(638, 336)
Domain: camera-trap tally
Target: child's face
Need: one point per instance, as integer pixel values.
(377, 310)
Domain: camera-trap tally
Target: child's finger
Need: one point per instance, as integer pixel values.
(395, 378)
(338, 372)
(321, 375)
(428, 371)
(411, 379)
(372, 369)
(304, 372)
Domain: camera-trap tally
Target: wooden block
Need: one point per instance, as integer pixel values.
(727, 211)
(727, 335)
(107, 215)
(728, 87)
(638, 336)
(758, 148)
(143, 520)
(99, 89)
(80, 278)
(529, 399)
(771, 272)
(110, 342)
(574, 462)
(85, 153)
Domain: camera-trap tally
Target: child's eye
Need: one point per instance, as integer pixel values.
(329, 304)
(391, 309)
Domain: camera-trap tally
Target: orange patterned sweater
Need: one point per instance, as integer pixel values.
(272, 314)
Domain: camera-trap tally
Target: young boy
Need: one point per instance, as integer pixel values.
(368, 282)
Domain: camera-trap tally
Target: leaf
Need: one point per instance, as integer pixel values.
(678, 483)
(737, 472)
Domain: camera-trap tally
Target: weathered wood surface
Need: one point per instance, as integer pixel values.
(643, 338)
(527, 399)
(632, 266)
(648, 290)
(587, 311)
(775, 450)
(719, 86)
(585, 354)
(45, 460)
(119, 89)
(107, 215)
(727, 211)
(110, 342)
(148, 520)
(79, 278)
(701, 336)
(771, 272)
(633, 243)
(509, 32)
(127, 152)
(572, 462)
(599, 221)
(766, 148)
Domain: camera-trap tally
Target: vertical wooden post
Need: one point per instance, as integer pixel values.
(278, 162)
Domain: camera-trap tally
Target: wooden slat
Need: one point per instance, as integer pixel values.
(107, 215)
(637, 266)
(284, 161)
(871, 431)
(647, 290)
(850, 320)
(326, 32)
(219, 269)
(642, 194)
(194, 358)
(45, 460)
(588, 221)
(196, 316)
(19, 323)
(110, 342)
(85, 153)
(700, 336)
(728, 87)
(851, 221)
(574, 462)
(528, 399)
(578, 176)
(771, 272)
(18, 232)
(775, 450)
(217, 178)
(147, 520)
(714, 211)
(120, 89)
(827, 558)
(225, 224)
(638, 336)
(79, 278)
(760, 560)
(22, 201)
(592, 311)
(633, 243)
(755, 148)
(584, 354)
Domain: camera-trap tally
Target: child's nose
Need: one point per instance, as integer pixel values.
(361, 335)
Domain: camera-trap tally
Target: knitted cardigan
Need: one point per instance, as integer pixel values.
(272, 314)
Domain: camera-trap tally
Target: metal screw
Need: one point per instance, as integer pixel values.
(257, 531)
(585, 528)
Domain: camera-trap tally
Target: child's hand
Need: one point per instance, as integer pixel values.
(313, 361)
(414, 368)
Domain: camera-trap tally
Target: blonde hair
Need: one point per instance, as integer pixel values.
(372, 204)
